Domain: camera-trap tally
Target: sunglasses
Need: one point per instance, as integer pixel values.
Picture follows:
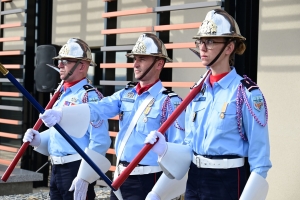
(66, 62)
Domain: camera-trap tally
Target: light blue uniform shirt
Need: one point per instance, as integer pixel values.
(96, 138)
(126, 102)
(208, 134)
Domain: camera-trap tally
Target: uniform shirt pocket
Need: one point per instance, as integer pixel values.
(225, 119)
(125, 112)
(196, 116)
(147, 123)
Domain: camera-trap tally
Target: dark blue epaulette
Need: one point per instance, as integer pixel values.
(249, 84)
(88, 88)
(170, 93)
(130, 85)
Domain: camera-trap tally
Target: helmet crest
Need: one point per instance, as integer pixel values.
(77, 49)
(208, 27)
(150, 45)
(218, 23)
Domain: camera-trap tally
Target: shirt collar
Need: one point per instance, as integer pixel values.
(155, 89)
(140, 89)
(78, 86)
(226, 80)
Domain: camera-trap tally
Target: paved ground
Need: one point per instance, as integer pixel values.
(102, 193)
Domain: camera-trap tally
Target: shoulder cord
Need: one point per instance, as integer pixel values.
(85, 100)
(241, 98)
(167, 107)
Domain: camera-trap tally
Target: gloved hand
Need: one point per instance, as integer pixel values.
(33, 137)
(152, 196)
(51, 117)
(80, 188)
(161, 146)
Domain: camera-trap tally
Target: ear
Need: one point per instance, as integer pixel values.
(160, 64)
(82, 66)
(230, 48)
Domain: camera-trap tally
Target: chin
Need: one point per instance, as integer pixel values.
(205, 63)
(136, 77)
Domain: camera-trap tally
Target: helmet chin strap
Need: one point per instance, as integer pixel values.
(146, 72)
(219, 54)
(72, 70)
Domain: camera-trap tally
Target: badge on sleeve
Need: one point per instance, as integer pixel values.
(176, 104)
(74, 99)
(258, 102)
(94, 99)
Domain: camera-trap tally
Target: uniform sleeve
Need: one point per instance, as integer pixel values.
(99, 138)
(188, 131)
(98, 131)
(176, 132)
(256, 128)
(106, 108)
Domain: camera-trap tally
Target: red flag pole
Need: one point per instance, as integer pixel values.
(24, 146)
(124, 175)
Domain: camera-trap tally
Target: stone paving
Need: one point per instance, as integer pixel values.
(102, 193)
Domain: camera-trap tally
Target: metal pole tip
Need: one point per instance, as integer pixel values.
(3, 70)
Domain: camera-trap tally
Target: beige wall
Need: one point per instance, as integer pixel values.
(180, 36)
(134, 21)
(14, 32)
(278, 78)
(74, 18)
(78, 18)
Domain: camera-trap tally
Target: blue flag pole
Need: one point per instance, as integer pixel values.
(30, 98)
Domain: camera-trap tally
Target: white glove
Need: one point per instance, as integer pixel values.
(161, 146)
(33, 137)
(152, 196)
(51, 117)
(81, 187)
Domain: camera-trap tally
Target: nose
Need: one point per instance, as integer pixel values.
(136, 64)
(60, 65)
(202, 47)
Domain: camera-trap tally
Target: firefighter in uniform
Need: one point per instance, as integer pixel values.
(74, 60)
(142, 107)
(225, 122)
